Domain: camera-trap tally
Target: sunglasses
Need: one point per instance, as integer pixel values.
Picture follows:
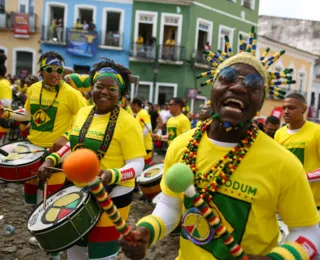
(230, 76)
(49, 70)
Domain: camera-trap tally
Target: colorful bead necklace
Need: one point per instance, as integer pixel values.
(221, 171)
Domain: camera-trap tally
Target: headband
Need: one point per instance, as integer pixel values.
(80, 82)
(111, 73)
(273, 80)
(51, 60)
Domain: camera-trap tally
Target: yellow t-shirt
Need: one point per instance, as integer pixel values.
(5, 89)
(140, 41)
(305, 145)
(129, 110)
(170, 42)
(144, 115)
(51, 123)
(177, 125)
(266, 181)
(126, 141)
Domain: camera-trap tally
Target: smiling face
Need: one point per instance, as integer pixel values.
(236, 103)
(53, 78)
(106, 94)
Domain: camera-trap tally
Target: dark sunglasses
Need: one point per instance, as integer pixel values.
(49, 70)
(230, 76)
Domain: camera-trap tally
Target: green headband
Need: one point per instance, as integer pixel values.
(111, 73)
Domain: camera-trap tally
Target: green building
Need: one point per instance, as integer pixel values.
(168, 39)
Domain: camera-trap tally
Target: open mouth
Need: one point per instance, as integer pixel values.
(234, 105)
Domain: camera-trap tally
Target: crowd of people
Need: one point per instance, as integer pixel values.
(225, 180)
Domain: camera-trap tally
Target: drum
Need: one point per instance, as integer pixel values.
(69, 215)
(20, 167)
(283, 230)
(149, 181)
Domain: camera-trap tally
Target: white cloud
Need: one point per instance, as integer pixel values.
(299, 9)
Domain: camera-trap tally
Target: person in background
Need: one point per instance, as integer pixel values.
(156, 121)
(186, 108)
(85, 25)
(59, 30)
(78, 25)
(301, 137)
(125, 104)
(92, 26)
(143, 119)
(109, 38)
(53, 30)
(193, 120)
(204, 113)
(169, 47)
(272, 125)
(177, 124)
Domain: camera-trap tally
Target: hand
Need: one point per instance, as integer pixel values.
(155, 137)
(59, 144)
(136, 250)
(3, 113)
(105, 177)
(45, 173)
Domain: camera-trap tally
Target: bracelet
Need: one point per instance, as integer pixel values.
(115, 176)
(288, 251)
(54, 157)
(156, 227)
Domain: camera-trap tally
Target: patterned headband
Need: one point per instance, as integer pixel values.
(51, 60)
(111, 73)
(273, 80)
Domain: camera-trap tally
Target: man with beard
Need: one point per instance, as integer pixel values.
(301, 137)
(240, 177)
(272, 125)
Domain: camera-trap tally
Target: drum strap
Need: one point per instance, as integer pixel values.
(108, 134)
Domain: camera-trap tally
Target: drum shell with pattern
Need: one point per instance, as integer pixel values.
(149, 181)
(57, 235)
(23, 169)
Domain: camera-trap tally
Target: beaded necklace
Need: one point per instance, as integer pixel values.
(51, 89)
(221, 171)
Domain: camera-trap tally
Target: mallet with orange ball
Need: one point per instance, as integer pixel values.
(82, 167)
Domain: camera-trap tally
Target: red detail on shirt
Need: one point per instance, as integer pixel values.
(128, 174)
(314, 175)
(308, 246)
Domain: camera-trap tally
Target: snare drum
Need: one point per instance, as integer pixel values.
(283, 231)
(20, 167)
(70, 214)
(149, 181)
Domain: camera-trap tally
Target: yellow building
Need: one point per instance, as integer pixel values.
(302, 62)
(20, 34)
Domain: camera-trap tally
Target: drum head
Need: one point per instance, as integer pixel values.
(151, 174)
(14, 158)
(60, 205)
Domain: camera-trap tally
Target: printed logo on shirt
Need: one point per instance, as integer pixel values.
(172, 133)
(42, 120)
(128, 174)
(298, 152)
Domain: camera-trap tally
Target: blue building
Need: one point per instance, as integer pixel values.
(83, 31)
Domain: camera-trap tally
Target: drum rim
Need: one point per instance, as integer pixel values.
(154, 178)
(63, 221)
(24, 164)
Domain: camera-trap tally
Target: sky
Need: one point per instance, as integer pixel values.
(299, 9)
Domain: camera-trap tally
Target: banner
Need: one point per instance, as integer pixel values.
(21, 25)
(82, 42)
(277, 112)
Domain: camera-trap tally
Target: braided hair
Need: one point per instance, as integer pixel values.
(50, 54)
(124, 72)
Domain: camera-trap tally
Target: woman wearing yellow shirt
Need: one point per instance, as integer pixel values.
(116, 137)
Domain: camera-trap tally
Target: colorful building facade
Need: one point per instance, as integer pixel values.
(168, 39)
(20, 30)
(84, 31)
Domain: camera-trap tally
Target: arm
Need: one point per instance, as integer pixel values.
(6, 102)
(146, 129)
(9, 115)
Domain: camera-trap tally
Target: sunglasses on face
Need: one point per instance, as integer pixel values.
(230, 76)
(49, 70)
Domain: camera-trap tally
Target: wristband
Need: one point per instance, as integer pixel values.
(55, 158)
(156, 227)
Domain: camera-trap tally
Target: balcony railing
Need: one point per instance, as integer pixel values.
(4, 21)
(171, 53)
(199, 57)
(53, 35)
(143, 51)
(111, 39)
(33, 18)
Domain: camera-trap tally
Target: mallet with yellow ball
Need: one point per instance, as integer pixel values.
(82, 167)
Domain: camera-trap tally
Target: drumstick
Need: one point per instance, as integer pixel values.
(45, 195)
(34, 151)
(9, 110)
(53, 168)
(146, 126)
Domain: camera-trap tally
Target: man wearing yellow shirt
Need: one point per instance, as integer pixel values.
(143, 119)
(301, 137)
(5, 94)
(232, 178)
(177, 124)
(50, 108)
